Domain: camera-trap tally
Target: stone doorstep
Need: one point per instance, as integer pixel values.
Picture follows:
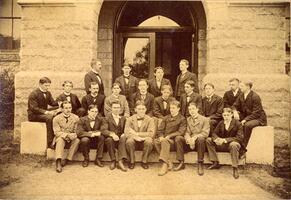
(190, 157)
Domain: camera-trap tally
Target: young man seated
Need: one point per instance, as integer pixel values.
(170, 133)
(88, 130)
(94, 98)
(142, 95)
(156, 84)
(227, 136)
(190, 97)
(231, 95)
(196, 134)
(139, 131)
(113, 130)
(64, 126)
(116, 96)
(67, 95)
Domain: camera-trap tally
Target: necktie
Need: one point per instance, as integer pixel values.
(140, 119)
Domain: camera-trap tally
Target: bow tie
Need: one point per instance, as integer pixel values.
(67, 118)
(126, 77)
(139, 119)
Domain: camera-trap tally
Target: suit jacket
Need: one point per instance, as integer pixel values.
(172, 126)
(234, 132)
(147, 128)
(90, 77)
(214, 108)
(76, 104)
(194, 98)
(153, 87)
(159, 111)
(132, 85)
(180, 82)
(200, 126)
(124, 110)
(229, 98)
(251, 108)
(98, 100)
(84, 128)
(149, 102)
(38, 104)
(109, 125)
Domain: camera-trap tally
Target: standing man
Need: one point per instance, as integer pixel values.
(196, 134)
(128, 83)
(230, 96)
(184, 76)
(170, 133)
(89, 132)
(227, 136)
(156, 84)
(38, 110)
(249, 111)
(94, 76)
(113, 130)
(65, 125)
(139, 131)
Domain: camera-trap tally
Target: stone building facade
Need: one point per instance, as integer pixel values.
(230, 38)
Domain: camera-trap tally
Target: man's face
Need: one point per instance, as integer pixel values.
(193, 110)
(244, 88)
(67, 109)
(142, 86)
(126, 70)
(68, 87)
(183, 66)
(188, 88)
(159, 74)
(116, 90)
(166, 93)
(174, 110)
(233, 85)
(94, 89)
(115, 109)
(227, 116)
(208, 90)
(92, 113)
(97, 66)
(45, 87)
(140, 110)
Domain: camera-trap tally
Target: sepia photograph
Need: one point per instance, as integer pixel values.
(145, 100)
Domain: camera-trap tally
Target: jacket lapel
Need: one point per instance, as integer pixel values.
(87, 122)
(231, 125)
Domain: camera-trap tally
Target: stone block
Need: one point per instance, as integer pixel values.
(33, 138)
(261, 145)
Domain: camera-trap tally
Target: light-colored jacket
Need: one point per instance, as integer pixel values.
(124, 110)
(147, 128)
(200, 127)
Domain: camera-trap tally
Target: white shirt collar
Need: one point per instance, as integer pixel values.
(115, 116)
(41, 89)
(67, 93)
(188, 95)
(235, 92)
(93, 70)
(246, 94)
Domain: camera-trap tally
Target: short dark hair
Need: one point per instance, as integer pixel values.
(209, 84)
(116, 84)
(175, 103)
(167, 87)
(185, 61)
(228, 110)
(94, 83)
(66, 82)
(65, 102)
(192, 104)
(43, 80)
(91, 106)
(248, 83)
(140, 103)
(234, 79)
(191, 83)
(159, 67)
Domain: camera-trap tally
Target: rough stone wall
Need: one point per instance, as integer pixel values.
(9, 60)
(247, 41)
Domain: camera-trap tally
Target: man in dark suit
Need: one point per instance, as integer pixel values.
(128, 83)
(230, 96)
(249, 111)
(113, 130)
(89, 132)
(94, 76)
(212, 106)
(93, 98)
(139, 131)
(67, 95)
(156, 83)
(184, 76)
(142, 95)
(38, 110)
(170, 133)
(227, 136)
(190, 97)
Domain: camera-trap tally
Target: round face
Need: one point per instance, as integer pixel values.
(67, 108)
(208, 90)
(159, 74)
(115, 108)
(166, 94)
(183, 66)
(243, 87)
(188, 88)
(94, 89)
(140, 110)
(227, 116)
(193, 110)
(45, 87)
(116, 90)
(126, 70)
(97, 66)
(92, 113)
(174, 110)
(233, 85)
(143, 87)
(68, 87)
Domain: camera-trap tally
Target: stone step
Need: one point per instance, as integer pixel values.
(190, 157)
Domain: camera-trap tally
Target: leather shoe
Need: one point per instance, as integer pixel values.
(144, 165)
(215, 165)
(121, 166)
(131, 165)
(65, 162)
(200, 169)
(163, 170)
(85, 163)
(58, 166)
(112, 165)
(180, 166)
(98, 163)
(235, 173)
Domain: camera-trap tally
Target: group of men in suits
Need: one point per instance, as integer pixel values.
(144, 114)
